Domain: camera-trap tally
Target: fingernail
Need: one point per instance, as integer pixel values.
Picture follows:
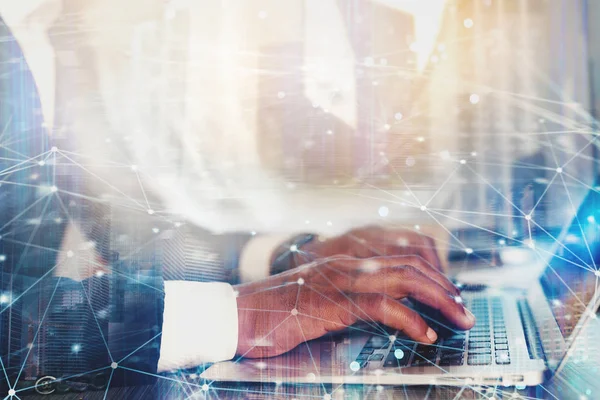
(470, 316)
(431, 335)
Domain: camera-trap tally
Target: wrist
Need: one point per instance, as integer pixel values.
(292, 253)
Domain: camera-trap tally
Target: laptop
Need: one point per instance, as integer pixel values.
(521, 338)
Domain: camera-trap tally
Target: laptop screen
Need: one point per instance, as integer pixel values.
(571, 277)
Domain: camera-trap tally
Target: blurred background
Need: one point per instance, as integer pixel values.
(306, 115)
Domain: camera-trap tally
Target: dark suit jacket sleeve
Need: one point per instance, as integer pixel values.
(80, 329)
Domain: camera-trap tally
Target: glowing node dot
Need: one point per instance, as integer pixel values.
(420, 139)
(329, 223)
(392, 338)
(383, 211)
(387, 127)
(99, 274)
(4, 299)
(458, 300)
(474, 98)
(307, 222)
(205, 387)
(559, 170)
(262, 14)
(398, 116)
(597, 272)
(76, 348)
(253, 233)
(12, 392)
(54, 189)
(134, 167)
(294, 312)
(423, 208)
(155, 230)
(281, 95)
(114, 365)
(468, 23)
(294, 248)
(399, 354)
(42, 163)
(469, 250)
(463, 162)
(327, 396)
(354, 366)
(418, 227)
(54, 149)
(150, 211)
(2, 257)
(329, 132)
(70, 253)
(300, 281)
(528, 217)
(474, 154)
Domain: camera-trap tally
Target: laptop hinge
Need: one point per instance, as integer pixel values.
(532, 337)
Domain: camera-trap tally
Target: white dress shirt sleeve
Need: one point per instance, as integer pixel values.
(200, 324)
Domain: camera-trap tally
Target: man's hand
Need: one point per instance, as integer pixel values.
(277, 314)
(372, 241)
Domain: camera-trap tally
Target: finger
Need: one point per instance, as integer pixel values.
(410, 282)
(391, 313)
(377, 264)
(428, 292)
(429, 251)
(421, 244)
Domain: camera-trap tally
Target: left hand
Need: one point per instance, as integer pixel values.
(373, 241)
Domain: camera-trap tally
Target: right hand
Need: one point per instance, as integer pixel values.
(277, 314)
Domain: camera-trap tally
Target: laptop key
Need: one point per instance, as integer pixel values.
(479, 345)
(479, 359)
(362, 357)
(501, 341)
(376, 357)
(452, 361)
(392, 359)
(502, 357)
(367, 350)
(480, 351)
(479, 339)
(420, 362)
(501, 346)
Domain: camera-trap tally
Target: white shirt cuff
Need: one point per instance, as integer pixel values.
(200, 324)
(255, 260)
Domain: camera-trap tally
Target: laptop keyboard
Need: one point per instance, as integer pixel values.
(486, 343)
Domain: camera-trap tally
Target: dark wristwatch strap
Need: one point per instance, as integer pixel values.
(287, 253)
